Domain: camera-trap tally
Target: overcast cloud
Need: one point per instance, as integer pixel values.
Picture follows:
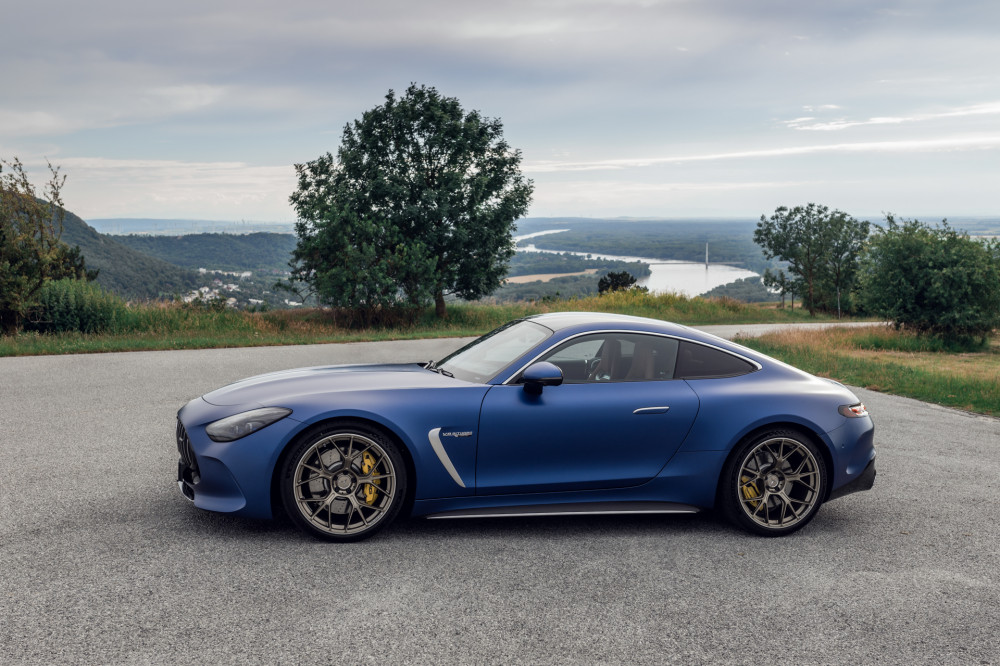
(669, 108)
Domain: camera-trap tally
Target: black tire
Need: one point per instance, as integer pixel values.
(343, 482)
(774, 483)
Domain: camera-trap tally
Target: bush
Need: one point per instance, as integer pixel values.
(76, 305)
(618, 281)
(932, 280)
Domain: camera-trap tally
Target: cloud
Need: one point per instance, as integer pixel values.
(991, 108)
(101, 187)
(115, 106)
(982, 142)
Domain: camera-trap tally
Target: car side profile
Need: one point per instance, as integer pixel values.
(564, 413)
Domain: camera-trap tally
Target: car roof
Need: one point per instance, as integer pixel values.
(558, 321)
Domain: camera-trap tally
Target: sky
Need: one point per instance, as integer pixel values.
(635, 108)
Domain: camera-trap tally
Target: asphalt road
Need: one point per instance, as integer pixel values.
(103, 561)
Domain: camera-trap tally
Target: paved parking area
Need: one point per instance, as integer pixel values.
(102, 560)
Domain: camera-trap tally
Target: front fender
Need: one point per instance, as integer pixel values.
(410, 415)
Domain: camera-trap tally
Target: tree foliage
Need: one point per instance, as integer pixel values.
(779, 281)
(932, 279)
(748, 290)
(617, 281)
(822, 248)
(420, 202)
(31, 252)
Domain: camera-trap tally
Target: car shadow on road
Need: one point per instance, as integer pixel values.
(190, 519)
(187, 519)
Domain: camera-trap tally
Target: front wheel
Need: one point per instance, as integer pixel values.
(344, 482)
(774, 484)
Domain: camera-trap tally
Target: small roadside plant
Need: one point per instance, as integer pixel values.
(76, 305)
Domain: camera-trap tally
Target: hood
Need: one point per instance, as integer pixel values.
(276, 388)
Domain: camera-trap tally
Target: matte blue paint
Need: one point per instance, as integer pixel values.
(571, 443)
(579, 436)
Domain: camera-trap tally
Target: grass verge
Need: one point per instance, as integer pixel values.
(890, 361)
(160, 326)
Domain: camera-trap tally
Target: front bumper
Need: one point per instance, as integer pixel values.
(228, 477)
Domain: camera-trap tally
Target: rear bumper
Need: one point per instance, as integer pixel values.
(864, 481)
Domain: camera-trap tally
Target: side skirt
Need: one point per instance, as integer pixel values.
(578, 509)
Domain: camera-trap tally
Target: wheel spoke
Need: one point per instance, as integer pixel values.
(799, 480)
(762, 504)
(358, 508)
(323, 504)
(317, 472)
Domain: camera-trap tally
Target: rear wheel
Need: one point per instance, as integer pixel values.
(774, 484)
(344, 483)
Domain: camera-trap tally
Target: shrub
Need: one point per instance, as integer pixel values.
(932, 280)
(618, 281)
(76, 305)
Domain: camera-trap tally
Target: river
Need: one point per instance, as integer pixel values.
(683, 277)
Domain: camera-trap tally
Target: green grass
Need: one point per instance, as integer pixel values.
(896, 362)
(160, 326)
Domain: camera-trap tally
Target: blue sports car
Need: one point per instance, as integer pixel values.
(568, 413)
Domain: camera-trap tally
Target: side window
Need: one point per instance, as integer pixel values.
(696, 361)
(577, 358)
(615, 357)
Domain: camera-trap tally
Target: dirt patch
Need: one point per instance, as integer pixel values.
(545, 277)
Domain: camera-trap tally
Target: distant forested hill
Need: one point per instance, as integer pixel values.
(228, 252)
(682, 240)
(530, 263)
(123, 270)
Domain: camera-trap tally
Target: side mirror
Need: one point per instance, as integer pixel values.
(541, 374)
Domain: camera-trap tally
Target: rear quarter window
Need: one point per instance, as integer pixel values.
(696, 361)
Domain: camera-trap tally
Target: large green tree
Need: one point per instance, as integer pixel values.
(419, 202)
(932, 280)
(821, 248)
(31, 252)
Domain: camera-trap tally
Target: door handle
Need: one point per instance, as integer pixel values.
(651, 410)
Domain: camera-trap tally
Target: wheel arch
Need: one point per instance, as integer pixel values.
(813, 435)
(277, 506)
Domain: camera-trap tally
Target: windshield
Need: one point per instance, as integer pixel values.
(480, 360)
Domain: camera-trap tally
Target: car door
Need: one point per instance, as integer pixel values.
(615, 421)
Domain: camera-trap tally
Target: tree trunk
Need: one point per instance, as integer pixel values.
(439, 304)
(812, 299)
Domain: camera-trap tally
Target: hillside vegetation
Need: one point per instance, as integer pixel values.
(229, 252)
(123, 270)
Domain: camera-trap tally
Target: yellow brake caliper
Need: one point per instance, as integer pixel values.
(749, 490)
(367, 465)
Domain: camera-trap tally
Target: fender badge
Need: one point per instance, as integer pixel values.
(461, 433)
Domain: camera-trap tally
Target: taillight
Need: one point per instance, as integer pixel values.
(855, 411)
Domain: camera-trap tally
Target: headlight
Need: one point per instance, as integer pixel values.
(240, 425)
(855, 411)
